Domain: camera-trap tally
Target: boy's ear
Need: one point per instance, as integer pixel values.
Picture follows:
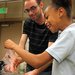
(61, 12)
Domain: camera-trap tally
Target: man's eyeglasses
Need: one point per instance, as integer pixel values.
(32, 9)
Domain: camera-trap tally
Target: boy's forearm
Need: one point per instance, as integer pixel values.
(34, 60)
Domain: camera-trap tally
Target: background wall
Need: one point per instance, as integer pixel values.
(13, 31)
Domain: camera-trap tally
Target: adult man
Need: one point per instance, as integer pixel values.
(34, 29)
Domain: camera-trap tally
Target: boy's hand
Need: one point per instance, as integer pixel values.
(9, 44)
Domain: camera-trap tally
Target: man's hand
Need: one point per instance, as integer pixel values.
(33, 72)
(9, 44)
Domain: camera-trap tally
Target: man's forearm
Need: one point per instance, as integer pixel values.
(42, 68)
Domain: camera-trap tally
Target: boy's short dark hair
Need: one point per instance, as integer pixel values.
(66, 4)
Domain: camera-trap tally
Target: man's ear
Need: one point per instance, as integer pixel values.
(41, 4)
(61, 12)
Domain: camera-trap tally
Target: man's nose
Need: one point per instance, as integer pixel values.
(30, 12)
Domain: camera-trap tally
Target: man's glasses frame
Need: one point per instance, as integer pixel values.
(32, 9)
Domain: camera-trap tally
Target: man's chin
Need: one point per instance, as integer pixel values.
(33, 18)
